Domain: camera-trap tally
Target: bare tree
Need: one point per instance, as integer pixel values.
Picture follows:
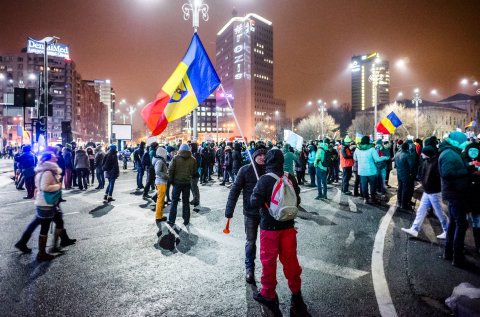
(263, 131)
(310, 128)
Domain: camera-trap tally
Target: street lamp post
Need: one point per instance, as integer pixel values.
(46, 41)
(193, 8)
(321, 108)
(416, 100)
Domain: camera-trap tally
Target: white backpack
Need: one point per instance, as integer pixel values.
(283, 204)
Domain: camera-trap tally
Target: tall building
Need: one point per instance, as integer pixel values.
(244, 62)
(70, 99)
(107, 97)
(370, 81)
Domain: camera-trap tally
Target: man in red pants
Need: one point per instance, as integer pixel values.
(277, 239)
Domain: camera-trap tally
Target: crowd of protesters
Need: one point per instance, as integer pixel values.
(448, 171)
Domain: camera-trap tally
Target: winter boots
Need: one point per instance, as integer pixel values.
(42, 254)
(56, 248)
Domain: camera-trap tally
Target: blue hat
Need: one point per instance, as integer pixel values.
(458, 140)
(184, 147)
(112, 147)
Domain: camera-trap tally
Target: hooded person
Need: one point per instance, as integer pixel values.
(432, 196)
(227, 166)
(182, 170)
(99, 156)
(321, 157)
(367, 156)
(455, 179)
(159, 163)
(289, 159)
(472, 155)
(245, 182)
(111, 170)
(277, 238)
(311, 164)
(82, 165)
(27, 160)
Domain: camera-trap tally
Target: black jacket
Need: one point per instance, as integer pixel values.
(430, 175)
(262, 192)
(237, 159)
(110, 165)
(454, 173)
(245, 181)
(404, 165)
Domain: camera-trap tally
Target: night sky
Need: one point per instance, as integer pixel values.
(138, 43)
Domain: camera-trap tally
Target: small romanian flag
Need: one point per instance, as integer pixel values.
(389, 124)
(471, 124)
(191, 83)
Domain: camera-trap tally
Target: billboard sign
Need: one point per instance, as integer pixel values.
(122, 131)
(54, 49)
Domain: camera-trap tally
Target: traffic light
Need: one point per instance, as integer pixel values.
(40, 127)
(41, 107)
(24, 97)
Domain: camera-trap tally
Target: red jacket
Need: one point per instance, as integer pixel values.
(346, 157)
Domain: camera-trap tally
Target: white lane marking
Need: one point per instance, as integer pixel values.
(338, 196)
(331, 269)
(20, 202)
(428, 230)
(71, 213)
(350, 239)
(380, 285)
(352, 205)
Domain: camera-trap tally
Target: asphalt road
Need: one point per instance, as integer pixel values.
(119, 267)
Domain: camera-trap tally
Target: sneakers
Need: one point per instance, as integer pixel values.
(411, 231)
(442, 236)
(318, 197)
(347, 193)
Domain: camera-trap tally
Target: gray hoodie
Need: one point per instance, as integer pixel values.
(160, 164)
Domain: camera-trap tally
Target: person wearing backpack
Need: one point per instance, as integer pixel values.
(367, 156)
(277, 238)
(245, 182)
(323, 161)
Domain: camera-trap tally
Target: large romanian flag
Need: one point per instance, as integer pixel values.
(192, 82)
(389, 124)
(471, 124)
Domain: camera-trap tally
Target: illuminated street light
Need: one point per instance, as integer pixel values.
(335, 102)
(401, 64)
(433, 92)
(32, 77)
(400, 94)
(277, 112)
(464, 82)
(475, 83)
(416, 100)
(2, 77)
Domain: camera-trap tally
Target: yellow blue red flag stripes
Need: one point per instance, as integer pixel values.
(471, 124)
(191, 83)
(389, 124)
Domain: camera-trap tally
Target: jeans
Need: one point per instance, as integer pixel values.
(68, 178)
(321, 182)
(82, 174)
(251, 230)
(457, 228)
(365, 181)
(100, 177)
(430, 200)
(356, 185)
(311, 172)
(227, 174)
(381, 174)
(346, 176)
(111, 184)
(44, 223)
(30, 186)
(195, 190)
(402, 199)
(140, 173)
(184, 190)
(92, 172)
(281, 244)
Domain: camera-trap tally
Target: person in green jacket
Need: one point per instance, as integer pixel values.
(321, 170)
(289, 159)
(181, 171)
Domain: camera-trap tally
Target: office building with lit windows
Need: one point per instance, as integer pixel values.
(370, 82)
(244, 62)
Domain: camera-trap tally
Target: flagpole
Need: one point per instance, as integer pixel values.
(193, 8)
(239, 128)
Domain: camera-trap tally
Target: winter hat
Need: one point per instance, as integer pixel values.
(365, 140)
(112, 148)
(410, 137)
(184, 147)
(400, 142)
(347, 140)
(379, 142)
(261, 149)
(326, 140)
(405, 147)
(429, 151)
(457, 139)
(46, 156)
